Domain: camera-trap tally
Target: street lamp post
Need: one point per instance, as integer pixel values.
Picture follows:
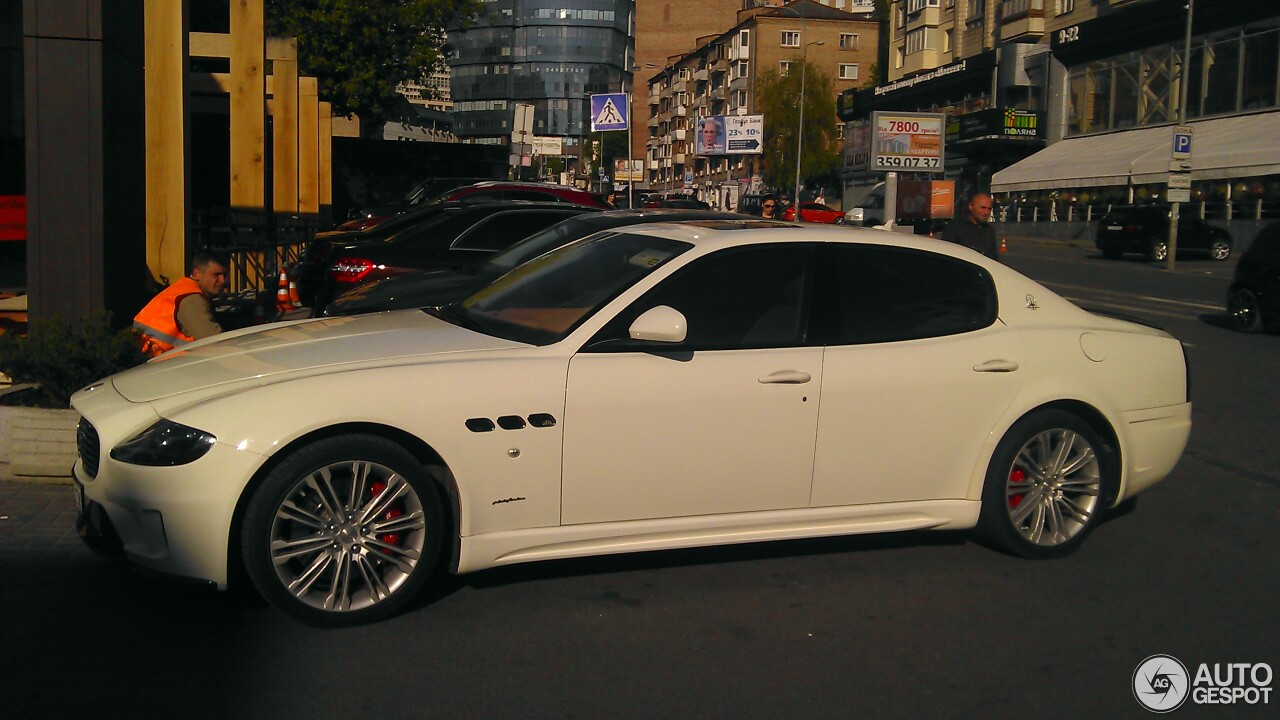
(804, 64)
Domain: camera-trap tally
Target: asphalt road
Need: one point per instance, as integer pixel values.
(912, 625)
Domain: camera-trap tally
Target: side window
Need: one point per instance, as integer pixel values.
(437, 234)
(750, 297)
(880, 294)
(503, 230)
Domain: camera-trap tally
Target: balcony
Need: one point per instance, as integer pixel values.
(680, 133)
(928, 17)
(680, 111)
(1022, 20)
(718, 93)
(701, 74)
(921, 60)
(719, 65)
(679, 158)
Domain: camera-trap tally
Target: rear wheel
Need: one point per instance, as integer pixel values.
(1044, 486)
(1220, 249)
(345, 531)
(1158, 250)
(1246, 314)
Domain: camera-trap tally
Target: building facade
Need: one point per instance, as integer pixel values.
(718, 77)
(552, 54)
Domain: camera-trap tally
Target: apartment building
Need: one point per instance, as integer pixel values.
(670, 28)
(718, 76)
(1075, 99)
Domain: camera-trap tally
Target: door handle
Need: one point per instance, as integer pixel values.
(1001, 366)
(786, 377)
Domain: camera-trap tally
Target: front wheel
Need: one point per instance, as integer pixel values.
(1246, 314)
(345, 531)
(1044, 486)
(1220, 249)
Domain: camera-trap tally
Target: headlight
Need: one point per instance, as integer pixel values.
(166, 443)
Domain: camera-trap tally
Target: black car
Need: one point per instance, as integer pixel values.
(1254, 296)
(441, 287)
(1144, 229)
(458, 234)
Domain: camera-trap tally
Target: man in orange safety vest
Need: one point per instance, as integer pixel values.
(182, 312)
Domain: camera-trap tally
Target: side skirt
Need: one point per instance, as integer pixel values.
(519, 546)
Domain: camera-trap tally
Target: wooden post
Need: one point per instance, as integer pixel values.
(165, 92)
(308, 146)
(283, 53)
(325, 139)
(248, 106)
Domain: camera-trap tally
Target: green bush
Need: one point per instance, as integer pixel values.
(61, 356)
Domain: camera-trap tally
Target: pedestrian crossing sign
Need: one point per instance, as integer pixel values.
(609, 111)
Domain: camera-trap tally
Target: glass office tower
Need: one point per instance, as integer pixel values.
(549, 53)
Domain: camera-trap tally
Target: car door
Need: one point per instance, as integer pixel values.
(721, 423)
(917, 370)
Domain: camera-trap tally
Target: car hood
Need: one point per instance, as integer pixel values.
(419, 289)
(281, 349)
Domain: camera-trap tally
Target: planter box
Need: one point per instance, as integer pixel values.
(37, 444)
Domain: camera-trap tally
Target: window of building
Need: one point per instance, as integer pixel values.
(784, 67)
(848, 71)
(790, 38)
(848, 41)
(915, 6)
(1012, 9)
(1066, 6)
(976, 10)
(744, 38)
(925, 38)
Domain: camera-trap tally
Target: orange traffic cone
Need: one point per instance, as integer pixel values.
(283, 303)
(294, 299)
(1004, 246)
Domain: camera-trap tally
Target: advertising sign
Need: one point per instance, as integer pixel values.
(857, 145)
(548, 145)
(744, 134)
(622, 174)
(709, 137)
(907, 141)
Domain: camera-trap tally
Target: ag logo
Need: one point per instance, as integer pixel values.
(1160, 683)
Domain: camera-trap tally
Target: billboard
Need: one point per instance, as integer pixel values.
(622, 174)
(907, 141)
(729, 135)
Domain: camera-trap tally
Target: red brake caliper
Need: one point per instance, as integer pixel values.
(393, 513)
(1017, 476)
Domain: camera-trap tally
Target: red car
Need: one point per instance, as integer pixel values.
(813, 212)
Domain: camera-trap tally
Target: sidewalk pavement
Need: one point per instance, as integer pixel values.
(38, 521)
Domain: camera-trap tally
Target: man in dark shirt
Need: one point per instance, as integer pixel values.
(974, 230)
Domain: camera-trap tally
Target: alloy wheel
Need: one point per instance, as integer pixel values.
(1053, 487)
(348, 536)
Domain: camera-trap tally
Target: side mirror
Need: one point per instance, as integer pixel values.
(660, 324)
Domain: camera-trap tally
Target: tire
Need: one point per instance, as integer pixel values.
(1158, 250)
(1245, 311)
(1220, 249)
(1045, 485)
(307, 550)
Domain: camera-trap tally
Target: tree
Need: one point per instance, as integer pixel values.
(776, 99)
(361, 49)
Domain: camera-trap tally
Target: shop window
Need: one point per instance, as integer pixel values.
(1261, 57)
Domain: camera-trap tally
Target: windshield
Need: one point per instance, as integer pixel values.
(531, 247)
(542, 301)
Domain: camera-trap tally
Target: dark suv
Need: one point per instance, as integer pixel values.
(1254, 296)
(1144, 229)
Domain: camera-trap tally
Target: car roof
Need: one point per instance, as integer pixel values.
(716, 234)
(649, 215)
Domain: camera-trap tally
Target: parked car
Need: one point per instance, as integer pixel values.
(1144, 229)
(869, 211)
(464, 233)
(683, 204)
(653, 388)
(490, 190)
(423, 191)
(1253, 299)
(813, 212)
(441, 287)
(450, 218)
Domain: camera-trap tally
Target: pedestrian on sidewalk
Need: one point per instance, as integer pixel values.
(974, 229)
(768, 207)
(182, 312)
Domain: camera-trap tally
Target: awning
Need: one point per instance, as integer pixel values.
(1229, 147)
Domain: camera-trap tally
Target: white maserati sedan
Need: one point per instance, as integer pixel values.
(645, 388)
